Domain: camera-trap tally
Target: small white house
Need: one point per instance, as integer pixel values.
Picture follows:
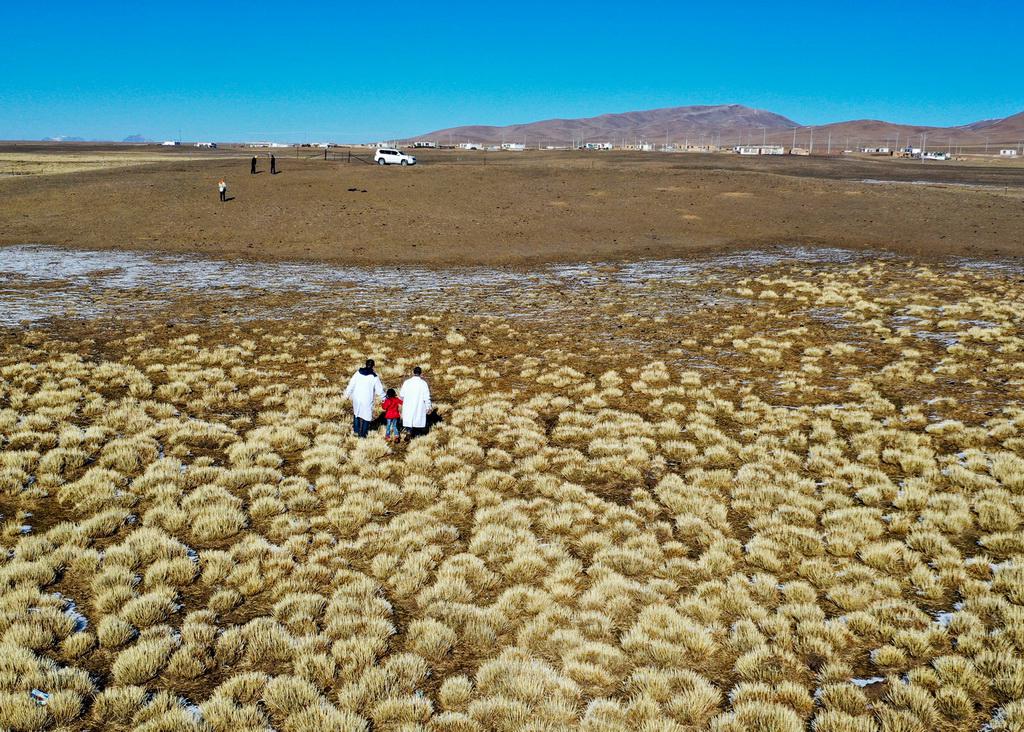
(876, 150)
(936, 156)
(597, 146)
(760, 149)
(513, 146)
(170, 143)
(208, 145)
(470, 146)
(424, 143)
(1008, 153)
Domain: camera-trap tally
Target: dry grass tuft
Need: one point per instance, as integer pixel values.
(805, 513)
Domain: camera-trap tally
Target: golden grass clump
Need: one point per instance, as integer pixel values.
(801, 515)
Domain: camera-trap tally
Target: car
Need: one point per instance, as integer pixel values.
(390, 156)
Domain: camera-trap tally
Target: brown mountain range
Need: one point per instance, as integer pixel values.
(730, 124)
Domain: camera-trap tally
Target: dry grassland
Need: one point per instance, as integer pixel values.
(773, 501)
(38, 163)
(454, 208)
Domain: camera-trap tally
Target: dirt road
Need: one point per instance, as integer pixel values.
(472, 208)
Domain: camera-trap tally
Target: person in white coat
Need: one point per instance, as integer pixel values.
(364, 388)
(415, 395)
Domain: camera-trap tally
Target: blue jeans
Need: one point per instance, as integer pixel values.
(360, 426)
(391, 428)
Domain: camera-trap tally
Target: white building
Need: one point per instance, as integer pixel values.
(1008, 153)
(936, 156)
(169, 143)
(513, 146)
(760, 149)
(210, 145)
(876, 150)
(470, 146)
(424, 143)
(597, 146)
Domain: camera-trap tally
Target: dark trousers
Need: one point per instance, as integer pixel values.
(273, 168)
(223, 195)
(252, 168)
(360, 427)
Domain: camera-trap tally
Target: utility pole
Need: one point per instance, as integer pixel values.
(810, 150)
(764, 136)
(830, 142)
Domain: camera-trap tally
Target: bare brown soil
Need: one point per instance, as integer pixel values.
(486, 208)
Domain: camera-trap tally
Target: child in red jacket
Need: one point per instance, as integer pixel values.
(392, 411)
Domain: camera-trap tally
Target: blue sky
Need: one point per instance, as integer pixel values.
(347, 72)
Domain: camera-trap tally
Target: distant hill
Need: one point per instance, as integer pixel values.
(986, 135)
(653, 125)
(734, 124)
(135, 138)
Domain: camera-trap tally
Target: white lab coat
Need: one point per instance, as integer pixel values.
(363, 390)
(415, 395)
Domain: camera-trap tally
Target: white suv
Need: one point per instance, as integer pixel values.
(390, 156)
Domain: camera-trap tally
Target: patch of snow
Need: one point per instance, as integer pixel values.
(870, 681)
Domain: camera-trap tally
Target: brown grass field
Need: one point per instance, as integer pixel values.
(770, 491)
(488, 208)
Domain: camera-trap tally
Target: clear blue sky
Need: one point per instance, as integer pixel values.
(346, 72)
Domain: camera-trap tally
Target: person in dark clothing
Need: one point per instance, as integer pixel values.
(273, 164)
(252, 166)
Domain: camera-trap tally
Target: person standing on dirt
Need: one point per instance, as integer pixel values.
(364, 388)
(252, 166)
(222, 187)
(415, 396)
(273, 164)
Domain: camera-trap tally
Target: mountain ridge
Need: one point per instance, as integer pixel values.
(725, 123)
